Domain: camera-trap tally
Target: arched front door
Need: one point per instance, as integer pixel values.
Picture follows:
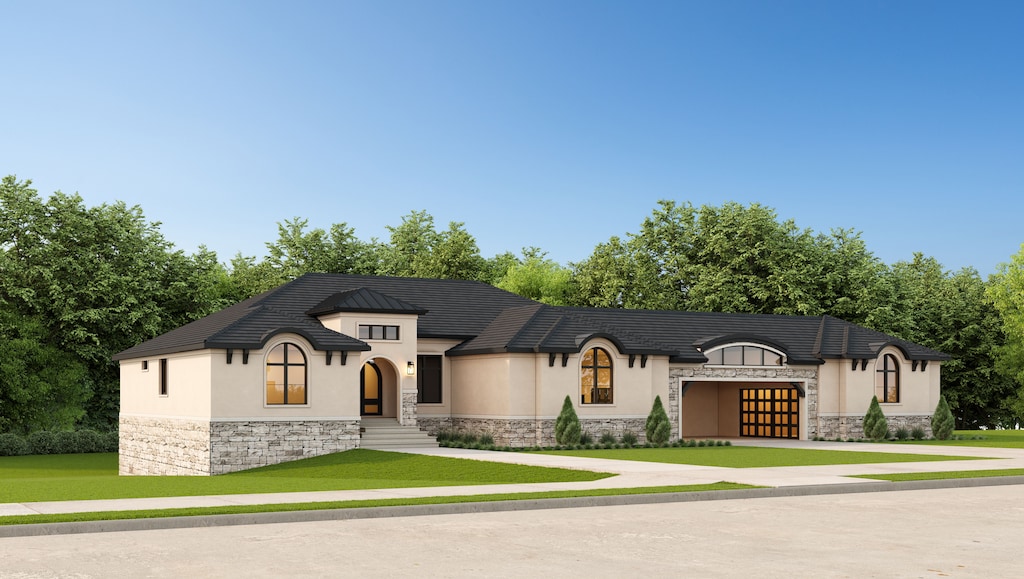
(371, 392)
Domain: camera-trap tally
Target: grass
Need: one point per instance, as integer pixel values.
(990, 439)
(94, 476)
(285, 507)
(752, 457)
(911, 476)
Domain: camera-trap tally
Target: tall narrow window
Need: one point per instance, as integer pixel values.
(887, 379)
(286, 375)
(428, 379)
(163, 376)
(596, 377)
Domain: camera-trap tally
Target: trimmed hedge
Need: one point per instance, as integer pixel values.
(63, 442)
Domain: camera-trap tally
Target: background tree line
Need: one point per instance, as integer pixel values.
(78, 284)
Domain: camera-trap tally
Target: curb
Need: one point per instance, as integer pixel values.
(489, 507)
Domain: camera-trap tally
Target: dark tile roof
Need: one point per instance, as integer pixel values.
(364, 300)
(490, 320)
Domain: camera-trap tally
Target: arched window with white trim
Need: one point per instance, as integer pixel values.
(744, 355)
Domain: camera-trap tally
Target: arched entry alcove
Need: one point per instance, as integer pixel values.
(378, 388)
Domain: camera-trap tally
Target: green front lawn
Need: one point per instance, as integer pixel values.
(94, 476)
(991, 439)
(910, 476)
(751, 456)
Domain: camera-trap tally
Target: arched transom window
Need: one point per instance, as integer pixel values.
(744, 355)
(596, 377)
(286, 375)
(887, 379)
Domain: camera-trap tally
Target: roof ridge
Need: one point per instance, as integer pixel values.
(522, 327)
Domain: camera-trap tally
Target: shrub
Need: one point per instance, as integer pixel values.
(607, 438)
(876, 427)
(486, 439)
(567, 425)
(110, 441)
(445, 435)
(917, 433)
(629, 438)
(902, 433)
(42, 442)
(13, 445)
(90, 441)
(586, 438)
(658, 427)
(67, 442)
(942, 420)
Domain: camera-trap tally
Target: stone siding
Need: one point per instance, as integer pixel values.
(242, 445)
(163, 446)
(519, 433)
(846, 427)
(408, 413)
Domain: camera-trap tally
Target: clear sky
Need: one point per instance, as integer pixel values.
(544, 123)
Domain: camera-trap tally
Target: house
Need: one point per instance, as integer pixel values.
(295, 372)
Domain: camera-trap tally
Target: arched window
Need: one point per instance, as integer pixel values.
(744, 355)
(596, 377)
(887, 379)
(286, 375)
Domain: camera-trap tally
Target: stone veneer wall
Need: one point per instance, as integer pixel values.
(807, 376)
(408, 412)
(241, 445)
(531, 432)
(163, 446)
(845, 427)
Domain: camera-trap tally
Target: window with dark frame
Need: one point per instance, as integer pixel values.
(163, 376)
(596, 377)
(887, 380)
(286, 375)
(145, 365)
(428, 379)
(745, 355)
(378, 332)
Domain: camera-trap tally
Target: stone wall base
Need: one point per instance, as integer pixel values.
(844, 427)
(527, 432)
(162, 446)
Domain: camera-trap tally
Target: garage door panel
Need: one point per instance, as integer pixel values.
(769, 412)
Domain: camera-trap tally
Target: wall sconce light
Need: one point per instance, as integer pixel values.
(410, 369)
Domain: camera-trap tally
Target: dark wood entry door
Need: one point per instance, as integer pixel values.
(770, 412)
(371, 392)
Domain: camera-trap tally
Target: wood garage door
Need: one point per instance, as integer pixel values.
(770, 412)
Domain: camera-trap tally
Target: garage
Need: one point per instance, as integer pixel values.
(735, 409)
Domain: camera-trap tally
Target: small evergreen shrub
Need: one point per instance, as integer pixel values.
(902, 433)
(586, 438)
(67, 442)
(13, 445)
(445, 436)
(629, 438)
(917, 433)
(876, 427)
(942, 420)
(658, 428)
(607, 438)
(567, 425)
(486, 439)
(728, 443)
(110, 441)
(90, 441)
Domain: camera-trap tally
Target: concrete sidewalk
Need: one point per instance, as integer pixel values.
(630, 474)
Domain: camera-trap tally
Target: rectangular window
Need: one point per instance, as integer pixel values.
(428, 379)
(377, 332)
(163, 376)
(145, 365)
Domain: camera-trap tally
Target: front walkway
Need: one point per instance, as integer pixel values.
(631, 474)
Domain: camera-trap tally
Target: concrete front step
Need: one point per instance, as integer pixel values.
(385, 433)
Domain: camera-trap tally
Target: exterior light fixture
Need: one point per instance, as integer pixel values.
(410, 369)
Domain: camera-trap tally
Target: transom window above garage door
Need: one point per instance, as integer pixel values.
(744, 355)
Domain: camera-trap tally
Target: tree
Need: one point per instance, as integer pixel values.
(410, 247)
(658, 427)
(876, 427)
(537, 278)
(455, 255)
(98, 280)
(567, 425)
(1006, 292)
(942, 421)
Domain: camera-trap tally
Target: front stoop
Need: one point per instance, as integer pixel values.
(387, 434)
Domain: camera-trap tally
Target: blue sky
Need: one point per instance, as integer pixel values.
(555, 124)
